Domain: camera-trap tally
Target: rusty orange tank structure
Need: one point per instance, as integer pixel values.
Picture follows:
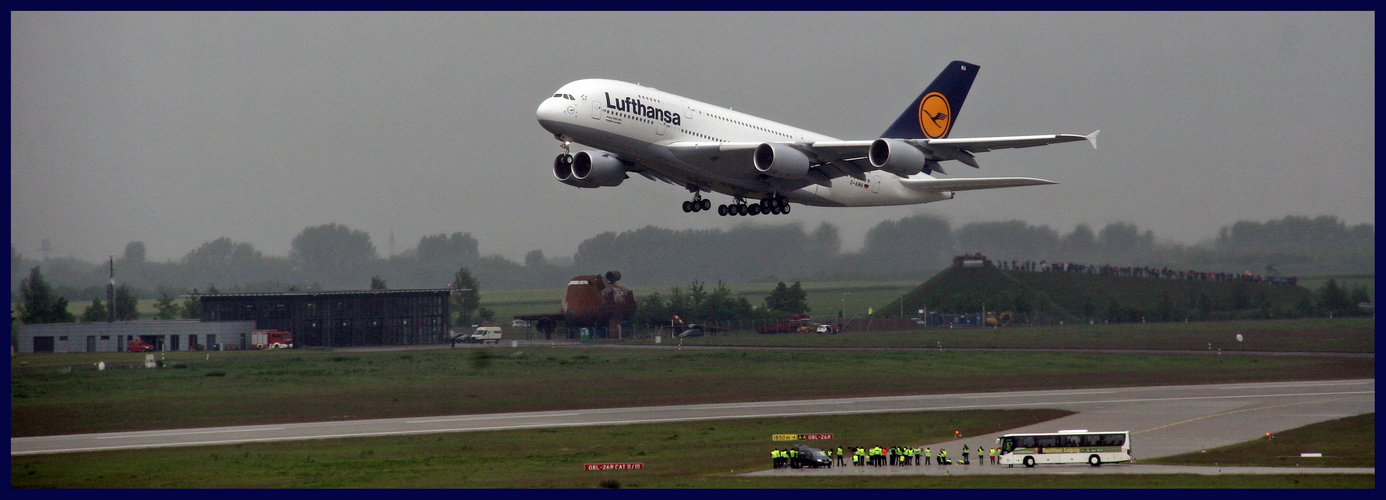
(593, 301)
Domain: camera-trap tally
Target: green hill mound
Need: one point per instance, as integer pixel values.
(1044, 297)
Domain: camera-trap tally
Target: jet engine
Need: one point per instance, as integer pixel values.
(780, 160)
(563, 169)
(896, 156)
(588, 170)
(598, 170)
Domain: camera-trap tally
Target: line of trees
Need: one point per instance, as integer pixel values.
(334, 256)
(698, 304)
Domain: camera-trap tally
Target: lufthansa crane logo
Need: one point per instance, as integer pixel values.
(935, 115)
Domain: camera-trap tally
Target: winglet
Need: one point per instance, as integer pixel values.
(1092, 138)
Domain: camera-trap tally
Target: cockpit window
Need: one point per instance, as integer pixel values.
(558, 95)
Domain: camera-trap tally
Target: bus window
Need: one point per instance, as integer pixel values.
(1069, 441)
(1113, 439)
(1025, 442)
(1046, 441)
(1007, 445)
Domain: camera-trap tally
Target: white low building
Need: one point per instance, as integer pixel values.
(169, 335)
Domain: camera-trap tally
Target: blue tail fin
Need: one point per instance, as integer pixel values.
(932, 114)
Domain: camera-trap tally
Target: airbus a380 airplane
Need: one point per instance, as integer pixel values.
(703, 148)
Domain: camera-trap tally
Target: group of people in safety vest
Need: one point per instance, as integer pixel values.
(878, 456)
(802, 456)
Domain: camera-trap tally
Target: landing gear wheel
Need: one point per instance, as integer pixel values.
(739, 209)
(785, 208)
(722, 210)
(1095, 461)
(707, 204)
(753, 209)
(687, 206)
(1030, 462)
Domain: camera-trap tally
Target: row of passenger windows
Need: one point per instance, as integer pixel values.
(703, 136)
(1069, 441)
(633, 117)
(762, 129)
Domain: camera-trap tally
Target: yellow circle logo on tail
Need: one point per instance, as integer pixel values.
(935, 115)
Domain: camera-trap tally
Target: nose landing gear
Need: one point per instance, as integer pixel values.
(566, 158)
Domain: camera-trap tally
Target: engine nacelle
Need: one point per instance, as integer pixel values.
(563, 169)
(896, 156)
(780, 160)
(601, 169)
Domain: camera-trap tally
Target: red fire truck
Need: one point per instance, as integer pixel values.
(271, 339)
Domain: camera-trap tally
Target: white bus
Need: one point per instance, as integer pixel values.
(1065, 447)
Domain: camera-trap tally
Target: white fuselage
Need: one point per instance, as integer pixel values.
(640, 124)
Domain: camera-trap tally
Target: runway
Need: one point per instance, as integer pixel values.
(1163, 420)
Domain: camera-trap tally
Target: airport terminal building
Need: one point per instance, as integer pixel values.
(314, 319)
(340, 318)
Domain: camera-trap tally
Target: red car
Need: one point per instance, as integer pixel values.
(139, 346)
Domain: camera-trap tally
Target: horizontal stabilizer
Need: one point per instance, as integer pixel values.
(970, 184)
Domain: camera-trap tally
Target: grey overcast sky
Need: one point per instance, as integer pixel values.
(179, 128)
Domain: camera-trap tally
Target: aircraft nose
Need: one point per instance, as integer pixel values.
(551, 109)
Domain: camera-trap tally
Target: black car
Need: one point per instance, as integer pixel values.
(810, 457)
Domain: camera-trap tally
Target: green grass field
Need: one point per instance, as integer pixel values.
(1345, 442)
(707, 454)
(62, 393)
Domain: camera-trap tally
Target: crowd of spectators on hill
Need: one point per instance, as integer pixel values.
(1142, 272)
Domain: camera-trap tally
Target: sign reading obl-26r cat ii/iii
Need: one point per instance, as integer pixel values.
(801, 437)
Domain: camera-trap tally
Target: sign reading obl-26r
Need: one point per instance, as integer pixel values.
(801, 437)
(627, 466)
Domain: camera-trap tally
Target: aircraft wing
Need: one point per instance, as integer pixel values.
(849, 157)
(925, 183)
(944, 149)
(984, 144)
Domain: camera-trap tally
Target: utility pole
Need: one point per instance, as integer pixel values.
(110, 295)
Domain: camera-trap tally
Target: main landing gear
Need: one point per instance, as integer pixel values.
(698, 204)
(774, 205)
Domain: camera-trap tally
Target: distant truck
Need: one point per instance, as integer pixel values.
(271, 339)
(482, 335)
(793, 325)
(138, 345)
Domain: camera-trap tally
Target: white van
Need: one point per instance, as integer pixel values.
(484, 334)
